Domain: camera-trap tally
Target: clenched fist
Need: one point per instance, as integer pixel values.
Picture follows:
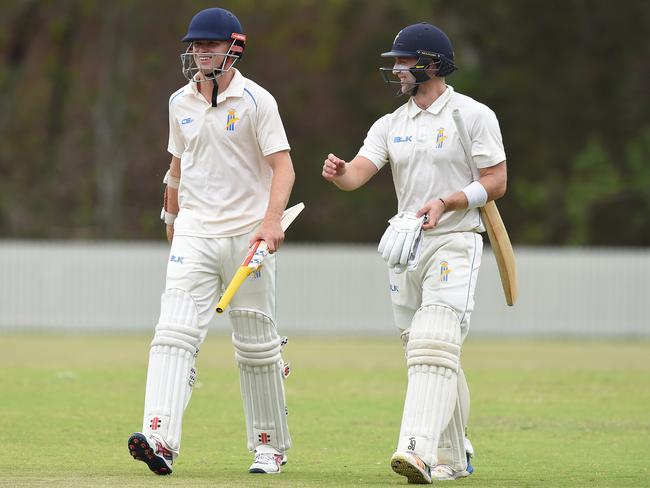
(333, 168)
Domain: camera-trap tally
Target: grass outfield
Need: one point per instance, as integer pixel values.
(543, 414)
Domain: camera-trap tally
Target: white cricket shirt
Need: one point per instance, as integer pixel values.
(426, 156)
(225, 181)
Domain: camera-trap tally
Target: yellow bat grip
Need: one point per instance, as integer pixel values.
(237, 280)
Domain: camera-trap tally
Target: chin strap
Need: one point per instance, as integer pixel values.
(215, 91)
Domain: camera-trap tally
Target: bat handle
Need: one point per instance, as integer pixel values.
(241, 275)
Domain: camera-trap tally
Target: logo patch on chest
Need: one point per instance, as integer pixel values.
(231, 120)
(444, 271)
(440, 138)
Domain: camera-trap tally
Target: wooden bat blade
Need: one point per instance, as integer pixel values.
(502, 248)
(496, 230)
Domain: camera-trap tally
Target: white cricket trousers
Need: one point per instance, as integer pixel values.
(446, 275)
(203, 267)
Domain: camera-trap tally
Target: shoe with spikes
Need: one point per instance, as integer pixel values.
(410, 465)
(151, 452)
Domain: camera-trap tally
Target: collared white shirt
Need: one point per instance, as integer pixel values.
(225, 181)
(427, 158)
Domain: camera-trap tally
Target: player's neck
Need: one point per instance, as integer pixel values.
(429, 92)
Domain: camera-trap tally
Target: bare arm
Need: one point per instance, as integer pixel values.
(494, 180)
(281, 185)
(348, 176)
(171, 195)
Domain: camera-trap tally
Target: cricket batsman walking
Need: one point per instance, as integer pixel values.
(433, 245)
(228, 183)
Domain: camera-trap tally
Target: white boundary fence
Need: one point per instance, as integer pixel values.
(323, 289)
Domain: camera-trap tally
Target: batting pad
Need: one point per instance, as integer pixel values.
(451, 449)
(433, 361)
(257, 351)
(171, 368)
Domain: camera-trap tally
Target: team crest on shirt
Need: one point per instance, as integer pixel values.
(444, 271)
(231, 120)
(440, 138)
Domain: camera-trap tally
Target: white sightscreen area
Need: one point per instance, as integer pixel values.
(323, 289)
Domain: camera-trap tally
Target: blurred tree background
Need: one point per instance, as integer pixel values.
(84, 87)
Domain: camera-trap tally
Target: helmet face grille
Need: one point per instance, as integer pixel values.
(191, 68)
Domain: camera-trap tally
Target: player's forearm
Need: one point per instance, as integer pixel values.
(349, 181)
(493, 180)
(357, 173)
(458, 200)
(171, 190)
(495, 187)
(281, 186)
(172, 200)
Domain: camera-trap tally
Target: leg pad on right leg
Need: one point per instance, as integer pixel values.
(171, 372)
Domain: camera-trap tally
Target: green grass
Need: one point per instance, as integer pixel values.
(543, 413)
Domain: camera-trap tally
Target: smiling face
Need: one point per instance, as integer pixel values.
(209, 59)
(211, 55)
(401, 71)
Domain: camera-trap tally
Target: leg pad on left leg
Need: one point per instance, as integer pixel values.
(433, 357)
(257, 351)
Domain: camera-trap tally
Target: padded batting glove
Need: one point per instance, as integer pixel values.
(400, 244)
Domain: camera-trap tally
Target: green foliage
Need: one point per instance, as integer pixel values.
(594, 179)
(69, 404)
(84, 88)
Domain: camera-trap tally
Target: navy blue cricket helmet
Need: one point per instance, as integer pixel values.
(217, 24)
(428, 44)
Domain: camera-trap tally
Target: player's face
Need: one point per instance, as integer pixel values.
(401, 70)
(209, 55)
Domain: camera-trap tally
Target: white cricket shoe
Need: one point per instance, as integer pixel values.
(444, 472)
(410, 465)
(152, 452)
(267, 461)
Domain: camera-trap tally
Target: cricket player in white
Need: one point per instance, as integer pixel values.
(229, 181)
(433, 245)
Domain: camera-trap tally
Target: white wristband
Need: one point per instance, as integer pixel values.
(476, 195)
(167, 217)
(171, 181)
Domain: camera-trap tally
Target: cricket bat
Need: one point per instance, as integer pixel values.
(499, 239)
(253, 260)
(502, 249)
